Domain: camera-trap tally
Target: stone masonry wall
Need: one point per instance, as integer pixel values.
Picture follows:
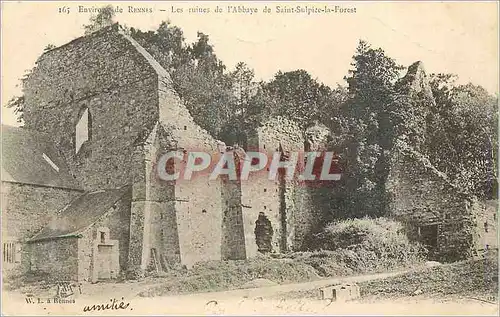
(420, 195)
(197, 202)
(163, 228)
(258, 194)
(487, 225)
(276, 197)
(233, 235)
(307, 220)
(58, 258)
(126, 92)
(117, 220)
(313, 198)
(153, 216)
(26, 209)
(199, 218)
(86, 255)
(104, 73)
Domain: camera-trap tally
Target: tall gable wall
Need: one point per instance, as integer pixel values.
(104, 73)
(181, 220)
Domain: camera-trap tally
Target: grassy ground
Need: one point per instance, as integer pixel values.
(350, 247)
(294, 268)
(227, 275)
(224, 275)
(476, 278)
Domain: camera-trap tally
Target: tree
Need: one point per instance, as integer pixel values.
(17, 103)
(464, 141)
(244, 108)
(198, 75)
(166, 44)
(243, 87)
(297, 96)
(366, 120)
(102, 19)
(204, 87)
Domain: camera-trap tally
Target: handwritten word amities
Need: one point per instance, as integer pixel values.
(113, 305)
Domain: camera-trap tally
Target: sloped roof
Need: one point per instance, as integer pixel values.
(81, 213)
(174, 116)
(29, 157)
(407, 150)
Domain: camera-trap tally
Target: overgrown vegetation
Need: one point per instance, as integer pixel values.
(471, 278)
(375, 249)
(15, 279)
(223, 275)
(356, 246)
(364, 233)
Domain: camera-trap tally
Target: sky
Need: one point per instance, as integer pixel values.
(448, 37)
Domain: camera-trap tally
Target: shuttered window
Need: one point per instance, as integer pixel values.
(11, 252)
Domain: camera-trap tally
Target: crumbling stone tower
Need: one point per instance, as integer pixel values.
(436, 212)
(287, 203)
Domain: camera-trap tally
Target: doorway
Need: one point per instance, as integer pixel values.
(429, 237)
(263, 233)
(104, 262)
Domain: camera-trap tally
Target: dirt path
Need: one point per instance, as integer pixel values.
(196, 305)
(270, 291)
(253, 301)
(105, 292)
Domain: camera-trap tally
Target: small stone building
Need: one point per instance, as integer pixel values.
(452, 223)
(436, 213)
(36, 183)
(87, 240)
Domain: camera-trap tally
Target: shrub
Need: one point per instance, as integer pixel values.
(17, 278)
(377, 235)
(356, 246)
(276, 270)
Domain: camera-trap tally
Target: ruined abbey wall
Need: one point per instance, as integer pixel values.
(135, 117)
(279, 199)
(100, 72)
(436, 213)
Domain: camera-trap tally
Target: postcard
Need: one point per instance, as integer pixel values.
(249, 158)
